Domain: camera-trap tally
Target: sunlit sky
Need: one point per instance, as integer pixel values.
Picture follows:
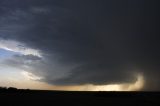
(80, 45)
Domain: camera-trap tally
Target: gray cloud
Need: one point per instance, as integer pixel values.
(94, 42)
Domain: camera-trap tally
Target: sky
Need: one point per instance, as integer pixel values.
(81, 45)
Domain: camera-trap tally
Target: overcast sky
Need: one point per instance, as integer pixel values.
(79, 42)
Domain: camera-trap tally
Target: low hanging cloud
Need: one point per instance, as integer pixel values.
(75, 43)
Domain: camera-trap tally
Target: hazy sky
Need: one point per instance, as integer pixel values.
(80, 44)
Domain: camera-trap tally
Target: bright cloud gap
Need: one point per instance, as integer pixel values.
(30, 76)
(15, 46)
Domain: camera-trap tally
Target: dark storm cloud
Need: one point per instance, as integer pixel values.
(84, 41)
(21, 60)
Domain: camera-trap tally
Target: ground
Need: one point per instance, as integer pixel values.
(14, 97)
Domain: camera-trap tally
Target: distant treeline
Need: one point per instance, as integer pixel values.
(10, 89)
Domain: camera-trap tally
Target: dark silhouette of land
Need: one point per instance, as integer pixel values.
(20, 97)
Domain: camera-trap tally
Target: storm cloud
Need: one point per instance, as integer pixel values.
(85, 41)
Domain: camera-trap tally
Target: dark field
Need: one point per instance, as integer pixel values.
(48, 98)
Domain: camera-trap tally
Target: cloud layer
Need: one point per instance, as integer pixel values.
(82, 42)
